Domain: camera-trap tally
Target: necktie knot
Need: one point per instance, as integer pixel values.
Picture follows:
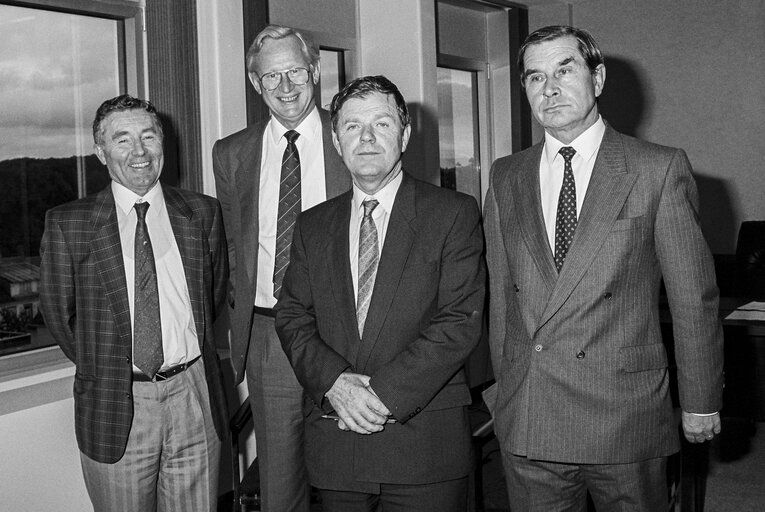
(140, 209)
(291, 136)
(369, 206)
(567, 152)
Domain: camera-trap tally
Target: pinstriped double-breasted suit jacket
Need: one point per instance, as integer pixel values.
(84, 298)
(582, 373)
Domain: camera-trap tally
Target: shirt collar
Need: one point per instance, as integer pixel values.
(586, 145)
(126, 198)
(386, 195)
(310, 126)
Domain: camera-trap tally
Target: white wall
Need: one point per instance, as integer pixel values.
(39, 459)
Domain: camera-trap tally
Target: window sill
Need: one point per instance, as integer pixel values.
(32, 379)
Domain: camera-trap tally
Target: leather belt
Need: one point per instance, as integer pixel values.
(264, 311)
(164, 374)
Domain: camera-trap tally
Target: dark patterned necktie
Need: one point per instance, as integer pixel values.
(289, 207)
(368, 259)
(565, 218)
(147, 329)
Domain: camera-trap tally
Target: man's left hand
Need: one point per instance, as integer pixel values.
(698, 429)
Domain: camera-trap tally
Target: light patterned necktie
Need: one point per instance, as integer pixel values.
(289, 208)
(147, 329)
(368, 259)
(565, 218)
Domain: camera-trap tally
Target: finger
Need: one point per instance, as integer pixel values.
(342, 426)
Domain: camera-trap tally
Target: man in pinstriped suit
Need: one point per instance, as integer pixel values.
(147, 442)
(582, 397)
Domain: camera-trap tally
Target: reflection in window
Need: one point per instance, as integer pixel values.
(332, 75)
(458, 131)
(55, 70)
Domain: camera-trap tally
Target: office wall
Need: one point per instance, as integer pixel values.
(688, 74)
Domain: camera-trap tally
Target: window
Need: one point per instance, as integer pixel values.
(458, 132)
(56, 67)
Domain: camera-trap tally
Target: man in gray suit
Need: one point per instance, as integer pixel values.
(581, 228)
(264, 176)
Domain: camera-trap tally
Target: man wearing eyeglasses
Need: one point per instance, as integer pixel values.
(265, 175)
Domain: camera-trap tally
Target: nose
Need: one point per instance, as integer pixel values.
(286, 84)
(551, 88)
(367, 134)
(138, 148)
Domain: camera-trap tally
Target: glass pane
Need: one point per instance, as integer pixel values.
(56, 69)
(458, 131)
(332, 76)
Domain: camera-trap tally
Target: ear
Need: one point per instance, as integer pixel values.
(316, 72)
(254, 81)
(405, 137)
(100, 153)
(599, 79)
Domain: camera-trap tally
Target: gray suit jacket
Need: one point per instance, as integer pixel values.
(236, 164)
(582, 373)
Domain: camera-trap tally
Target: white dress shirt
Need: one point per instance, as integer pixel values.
(313, 190)
(386, 196)
(179, 333)
(551, 171)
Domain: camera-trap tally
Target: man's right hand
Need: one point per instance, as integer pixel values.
(358, 407)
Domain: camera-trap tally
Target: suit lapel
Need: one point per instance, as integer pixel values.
(339, 270)
(107, 255)
(248, 180)
(609, 187)
(192, 247)
(398, 243)
(527, 198)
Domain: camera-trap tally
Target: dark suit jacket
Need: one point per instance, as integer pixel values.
(83, 295)
(236, 163)
(423, 321)
(581, 369)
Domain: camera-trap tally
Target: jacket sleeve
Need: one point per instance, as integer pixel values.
(689, 277)
(57, 291)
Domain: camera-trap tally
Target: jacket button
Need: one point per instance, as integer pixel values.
(128, 396)
(538, 348)
(580, 354)
(515, 287)
(607, 295)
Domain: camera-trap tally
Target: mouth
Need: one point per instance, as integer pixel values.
(139, 165)
(288, 99)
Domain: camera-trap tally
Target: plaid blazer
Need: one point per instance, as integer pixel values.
(83, 296)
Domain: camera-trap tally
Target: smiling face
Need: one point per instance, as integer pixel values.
(370, 138)
(289, 103)
(561, 89)
(130, 146)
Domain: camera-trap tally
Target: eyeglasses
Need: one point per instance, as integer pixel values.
(298, 76)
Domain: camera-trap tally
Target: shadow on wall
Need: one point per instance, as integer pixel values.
(170, 172)
(717, 212)
(415, 156)
(623, 102)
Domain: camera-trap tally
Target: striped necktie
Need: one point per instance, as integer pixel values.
(368, 259)
(289, 207)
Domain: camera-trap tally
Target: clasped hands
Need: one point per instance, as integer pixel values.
(360, 410)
